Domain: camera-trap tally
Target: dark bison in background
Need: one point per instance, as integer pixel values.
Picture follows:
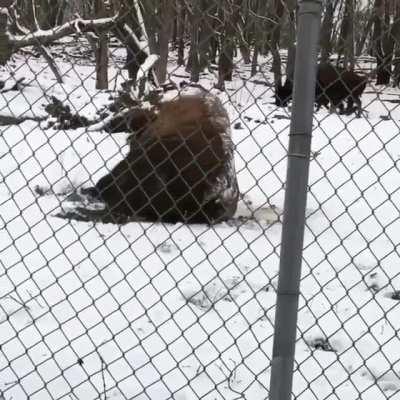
(334, 85)
(179, 167)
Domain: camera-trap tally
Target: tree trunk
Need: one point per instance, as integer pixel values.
(360, 45)
(134, 55)
(158, 19)
(259, 33)
(152, 21)
(225, 62)
(326, 31)
(336, 27)
(275, 39)
(246, 27)
(382, 75)
(193, 60)
(396, 37)
(205, 33)
(214, 44)
(164, 34)
(54, 13)
(101, 50)
(291, 55)
(239, 25)
(387, 45)
(346, 38)
(174, 35)
(181, 33)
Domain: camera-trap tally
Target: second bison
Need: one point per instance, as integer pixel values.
(333, 86)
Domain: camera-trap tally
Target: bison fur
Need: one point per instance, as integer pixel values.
(180, 164)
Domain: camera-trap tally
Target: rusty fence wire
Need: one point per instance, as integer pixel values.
(112, 291)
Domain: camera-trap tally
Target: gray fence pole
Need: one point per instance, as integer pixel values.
(309, 18)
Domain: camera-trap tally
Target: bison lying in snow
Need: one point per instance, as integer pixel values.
(180, 165)
(333, 87)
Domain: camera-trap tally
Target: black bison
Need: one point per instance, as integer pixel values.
(334, 86)
(180, 166)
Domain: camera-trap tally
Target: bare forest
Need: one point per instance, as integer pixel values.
(206, 34)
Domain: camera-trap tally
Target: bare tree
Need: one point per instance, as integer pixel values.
(381, 47)
(210, 28)
(258, 16)
(365, 21)
(157, 23)
(346, 38)
(326, 30)
(101, 49)
(129, 32)
(290, 6)
(193, 64)
(395, 31)
(48, 13)
(241, 10)
(181, 23)
(164, 35)
(388, 42)
(275, 38)
(227, 44)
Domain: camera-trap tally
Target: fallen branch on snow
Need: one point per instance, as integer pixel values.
(13, 120)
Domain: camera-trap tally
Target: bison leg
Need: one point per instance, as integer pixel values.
(350, 105)
(358, 107)
(354, 105)
(339, 108)
(104, 185)
(121, 189)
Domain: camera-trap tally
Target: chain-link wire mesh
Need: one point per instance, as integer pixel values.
(143, 153)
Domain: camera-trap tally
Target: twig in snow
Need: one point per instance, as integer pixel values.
(103, 365)
(231, 377)
(35, 298)
(23, 305)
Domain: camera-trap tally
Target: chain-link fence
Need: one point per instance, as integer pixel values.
(143, 158)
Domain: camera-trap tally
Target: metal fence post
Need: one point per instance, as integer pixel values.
(309, 18)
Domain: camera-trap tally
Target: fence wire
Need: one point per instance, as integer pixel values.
(143, 155)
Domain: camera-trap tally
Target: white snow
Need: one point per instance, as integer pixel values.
(152, 311)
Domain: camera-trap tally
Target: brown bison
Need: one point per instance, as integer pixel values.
(334, 86)
(180, 165)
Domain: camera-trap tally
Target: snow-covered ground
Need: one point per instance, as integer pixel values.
(152, 311)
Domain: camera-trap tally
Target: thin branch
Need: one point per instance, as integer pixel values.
(231, 377)
(35, 20)
(21, 303)
(50, 60)
(140, 19)
(252, 13)
(59, 11)
(103, 365)
(143, 46)
(15, 18)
